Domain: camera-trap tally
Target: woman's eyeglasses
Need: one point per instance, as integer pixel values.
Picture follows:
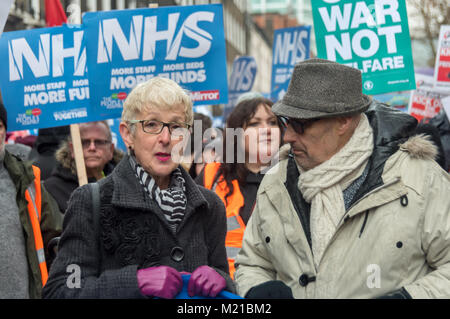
(298, 126)
(156, 127)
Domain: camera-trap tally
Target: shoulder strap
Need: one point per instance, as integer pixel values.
(301, 206)
(95, 192)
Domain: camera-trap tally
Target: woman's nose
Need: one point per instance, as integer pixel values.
(165, 135)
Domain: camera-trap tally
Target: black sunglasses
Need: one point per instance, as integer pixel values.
(298, 126)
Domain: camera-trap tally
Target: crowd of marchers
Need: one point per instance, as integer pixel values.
(326, 193)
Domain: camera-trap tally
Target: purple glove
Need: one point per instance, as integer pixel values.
(205, 282)
(162, 281)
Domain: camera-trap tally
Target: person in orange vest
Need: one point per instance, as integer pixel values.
(257, 138)
(29, 219)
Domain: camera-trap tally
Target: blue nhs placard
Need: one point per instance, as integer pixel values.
(44, 82)
(183, 43)
(241, 81)
(290, 46)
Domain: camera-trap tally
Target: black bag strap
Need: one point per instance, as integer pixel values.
(95, 192)
(302, 208)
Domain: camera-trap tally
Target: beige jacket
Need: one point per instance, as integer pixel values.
(398, 246)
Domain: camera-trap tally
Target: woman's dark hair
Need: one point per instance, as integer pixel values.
(239, 118)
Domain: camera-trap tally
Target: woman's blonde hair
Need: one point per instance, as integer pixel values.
(157, 93)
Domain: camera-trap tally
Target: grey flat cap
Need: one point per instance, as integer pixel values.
(321, 88)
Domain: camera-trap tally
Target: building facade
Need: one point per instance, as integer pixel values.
(270, 15)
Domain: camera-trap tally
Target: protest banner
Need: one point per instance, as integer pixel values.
(372, 36)
(115, 133)
(241, 81)
(290, 46)
(183, 43)
(425, 102)
(45, 82)
(442, 65)
(423, 80)
(55, 16)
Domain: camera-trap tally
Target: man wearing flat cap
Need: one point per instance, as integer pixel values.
(357, 208)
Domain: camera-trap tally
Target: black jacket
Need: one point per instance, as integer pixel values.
(63, 182)
(135, 234)
(43, 152)
(442, 124)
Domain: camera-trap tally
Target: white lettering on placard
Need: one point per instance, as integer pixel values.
(19, 51)
(383, 64)
(352, 16)
(25, 119)
(243, 77)
(391, 10)
(290, 45)
(59, 53)
(205, 95)
(110, 29)
(79, 93)
(71, 114)
(144, 32)
(42, 98)
(361, 15)
(346, 47)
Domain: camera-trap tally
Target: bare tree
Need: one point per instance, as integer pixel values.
(434, 13)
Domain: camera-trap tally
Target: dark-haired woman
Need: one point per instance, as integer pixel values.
(256, 138)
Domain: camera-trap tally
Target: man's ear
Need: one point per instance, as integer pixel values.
(345, 124)
(127, 135)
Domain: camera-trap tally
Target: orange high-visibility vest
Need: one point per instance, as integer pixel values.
(235, 224)
(33, 197)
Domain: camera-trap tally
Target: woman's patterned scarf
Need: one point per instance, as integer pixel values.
(172, 200)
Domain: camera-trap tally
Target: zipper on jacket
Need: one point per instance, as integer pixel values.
(364, 223)
(346, 217)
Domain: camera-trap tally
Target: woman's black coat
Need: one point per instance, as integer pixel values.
(134, 234)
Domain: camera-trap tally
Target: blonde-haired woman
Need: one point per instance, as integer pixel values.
(155, 222)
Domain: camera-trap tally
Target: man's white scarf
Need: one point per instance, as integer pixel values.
(323, 185)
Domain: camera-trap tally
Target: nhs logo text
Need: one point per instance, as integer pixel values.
(145, 33)
(48, 58)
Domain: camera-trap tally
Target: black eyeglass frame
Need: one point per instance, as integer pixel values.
(164, 124)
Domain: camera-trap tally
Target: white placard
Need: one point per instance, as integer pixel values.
(442, 64)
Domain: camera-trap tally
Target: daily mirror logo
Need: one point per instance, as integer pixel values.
(47, 58)
(145, 33)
